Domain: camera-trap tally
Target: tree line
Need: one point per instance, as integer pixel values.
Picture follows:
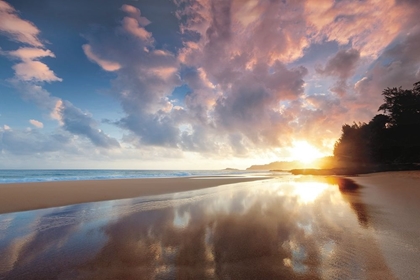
(391, 137)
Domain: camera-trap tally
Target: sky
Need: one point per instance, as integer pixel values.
(194, 84)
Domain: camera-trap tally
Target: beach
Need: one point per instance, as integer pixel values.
(36, 195)
(278, 227)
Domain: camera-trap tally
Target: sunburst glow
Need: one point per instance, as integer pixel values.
(304, 152)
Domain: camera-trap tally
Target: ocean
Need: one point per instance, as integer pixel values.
(46, 175)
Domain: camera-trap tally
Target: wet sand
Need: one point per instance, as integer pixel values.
(30, 196)
(393, 204)
(290, 227)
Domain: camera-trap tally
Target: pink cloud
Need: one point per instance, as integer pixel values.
(164, 72)
(247, 88)
(16, 28)
(369, 25)
(241, 43)
(36, 123)
(241, 57)
(136, 14)
(30, 69)
(55, 112)
(30, 53)
(105, 64)
(133, 27)
(36, 71)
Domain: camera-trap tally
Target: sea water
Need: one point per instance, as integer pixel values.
(44, 175)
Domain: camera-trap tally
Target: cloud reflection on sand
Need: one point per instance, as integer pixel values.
(285, 228)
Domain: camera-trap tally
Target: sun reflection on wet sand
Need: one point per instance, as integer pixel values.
(284, 228)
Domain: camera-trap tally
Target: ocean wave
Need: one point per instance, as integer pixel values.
(26, 176)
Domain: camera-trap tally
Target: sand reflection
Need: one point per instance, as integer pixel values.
(287, 228)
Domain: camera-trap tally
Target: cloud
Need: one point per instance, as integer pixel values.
(398, 66)
(239, 62)
(158, 130)
(368, 26)
(19, 30)
(32, 141)
(35, 93)
(132, 26)
(30, 69)
(253, 101)
(70, 118)
(28, 75)
(342, 64)
(78, 122)
(26, 54)
(237, 51)
(136, 14)
(36, 123)
(241, 59)
(105, 64)
(145, 82)
(249, 75)
(35, 71)
(26, 32)
(232, 90)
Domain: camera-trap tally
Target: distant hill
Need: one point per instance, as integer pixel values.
(277, 165)
(325, 162)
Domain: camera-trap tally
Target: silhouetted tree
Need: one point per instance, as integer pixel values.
(378, 140)
(402, 106)
(403, 109)
(392, 137)
(353, 143)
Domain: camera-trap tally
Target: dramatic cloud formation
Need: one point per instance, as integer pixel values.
(221, 79)
(146, 79)
(239, 64)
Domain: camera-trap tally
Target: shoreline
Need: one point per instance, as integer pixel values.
(16, 197)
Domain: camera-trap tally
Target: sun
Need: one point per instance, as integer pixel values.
(304, 152)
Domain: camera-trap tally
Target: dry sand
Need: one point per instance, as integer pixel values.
(29, 196)
(393, 203)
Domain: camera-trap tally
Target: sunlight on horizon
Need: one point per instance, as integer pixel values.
(304, 152)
